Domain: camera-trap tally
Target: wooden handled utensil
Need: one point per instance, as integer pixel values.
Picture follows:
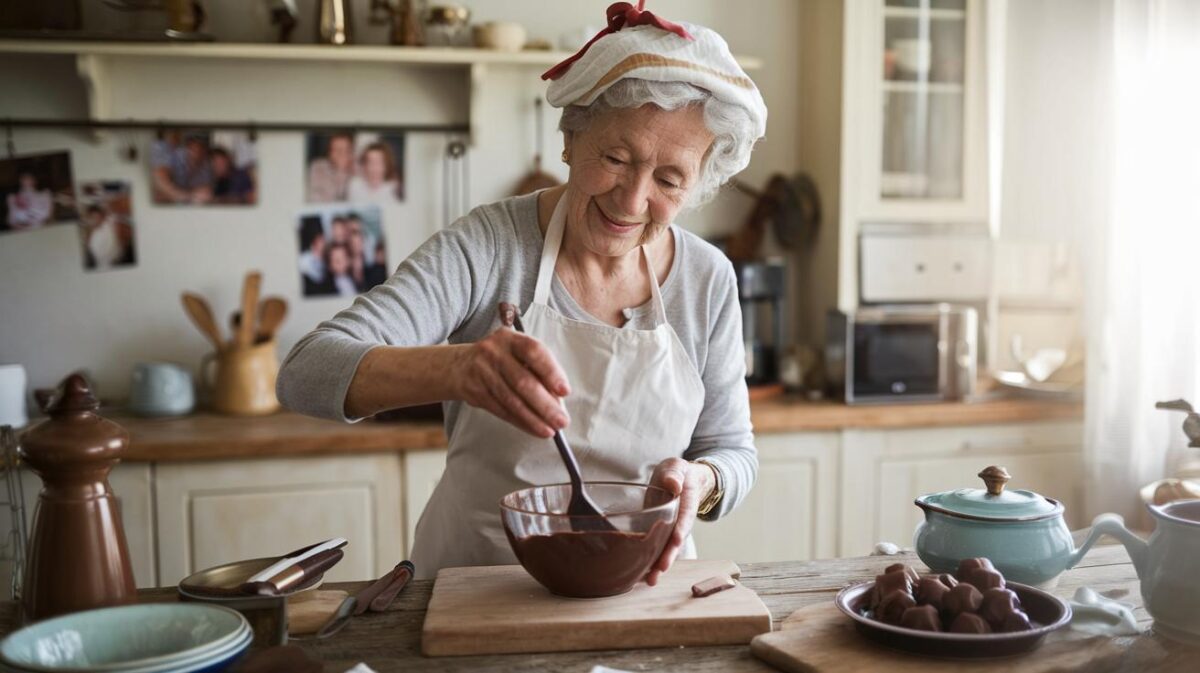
(585, 515)
(250, 288)
(271, 312)
(201, 314)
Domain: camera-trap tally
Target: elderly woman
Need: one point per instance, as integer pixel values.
(632, 343)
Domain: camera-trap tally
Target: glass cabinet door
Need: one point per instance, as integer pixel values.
(923, 96)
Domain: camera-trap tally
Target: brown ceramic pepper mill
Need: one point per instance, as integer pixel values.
(78, 558)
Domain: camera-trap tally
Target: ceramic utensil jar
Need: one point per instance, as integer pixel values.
(1023, 533)
(244, 380)
(78, 558)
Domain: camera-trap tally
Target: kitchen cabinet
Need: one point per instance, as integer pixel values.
(214, 512)
(884, 470)
(791, 513)
(422, 471)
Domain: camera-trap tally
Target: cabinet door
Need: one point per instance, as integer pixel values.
(915, 85)
(790, 514)
(211, 513)
(422, 471)
(883, 471)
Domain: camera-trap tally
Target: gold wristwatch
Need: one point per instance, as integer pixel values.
(709, 503)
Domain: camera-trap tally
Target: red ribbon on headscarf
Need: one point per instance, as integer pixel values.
(620, 14)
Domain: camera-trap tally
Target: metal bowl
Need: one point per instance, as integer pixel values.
(1046, 611)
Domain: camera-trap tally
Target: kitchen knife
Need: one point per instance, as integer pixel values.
(287, 561)
(296, 574)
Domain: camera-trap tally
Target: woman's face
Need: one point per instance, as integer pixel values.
(341, 152)
(339, 260)
(631, 173)
(374, 167)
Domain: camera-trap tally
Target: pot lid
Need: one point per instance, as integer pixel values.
(994, 502)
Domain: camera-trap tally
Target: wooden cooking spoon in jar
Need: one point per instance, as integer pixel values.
(584, 513)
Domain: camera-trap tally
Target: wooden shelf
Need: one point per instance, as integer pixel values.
(300, 52)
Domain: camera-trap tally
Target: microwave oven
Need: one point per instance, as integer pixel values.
(902, 353)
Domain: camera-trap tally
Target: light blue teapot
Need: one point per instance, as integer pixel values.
(1021, 532)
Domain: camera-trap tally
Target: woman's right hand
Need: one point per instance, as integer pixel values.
(515, 377)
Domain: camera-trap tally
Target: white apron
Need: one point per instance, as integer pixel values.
(635, 399)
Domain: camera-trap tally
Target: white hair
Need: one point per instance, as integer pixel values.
(730, 124)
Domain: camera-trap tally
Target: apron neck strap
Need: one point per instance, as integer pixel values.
(550, 249)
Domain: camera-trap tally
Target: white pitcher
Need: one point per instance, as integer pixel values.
(1168, 565)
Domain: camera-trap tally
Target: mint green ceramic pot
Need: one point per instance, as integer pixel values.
(1021, 532)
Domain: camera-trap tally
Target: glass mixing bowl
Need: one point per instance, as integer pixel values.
(560, 552)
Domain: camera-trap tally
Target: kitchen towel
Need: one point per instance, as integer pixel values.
(1100, 616)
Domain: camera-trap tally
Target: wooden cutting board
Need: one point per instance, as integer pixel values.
(821, 638)
(502, 610)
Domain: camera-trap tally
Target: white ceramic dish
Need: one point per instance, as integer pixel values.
(1020, 381)
(130, 639)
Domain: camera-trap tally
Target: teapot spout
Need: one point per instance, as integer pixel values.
(1114, 525)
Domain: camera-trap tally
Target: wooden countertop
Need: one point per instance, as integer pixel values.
(391, 641)
(206, 436)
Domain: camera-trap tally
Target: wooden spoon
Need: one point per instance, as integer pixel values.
(584, 513)
(245, 333)
(201, 314)
(271, 313)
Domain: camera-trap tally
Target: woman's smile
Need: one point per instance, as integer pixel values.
(614, 225)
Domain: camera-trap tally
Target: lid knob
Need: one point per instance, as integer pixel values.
(995, 477)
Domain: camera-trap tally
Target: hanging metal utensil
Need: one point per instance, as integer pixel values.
(537, 179)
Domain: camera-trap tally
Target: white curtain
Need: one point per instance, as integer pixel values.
(1142, 304)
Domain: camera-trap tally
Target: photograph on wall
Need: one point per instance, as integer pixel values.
(106, 225)
(342, 251)
(204, 168)
(354, 167)
(38, 191)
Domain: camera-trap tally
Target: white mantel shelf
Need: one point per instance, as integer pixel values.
(93, 62)
(300, 52)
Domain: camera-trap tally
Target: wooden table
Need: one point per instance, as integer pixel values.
(391, 641)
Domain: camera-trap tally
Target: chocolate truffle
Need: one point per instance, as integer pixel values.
(998, 604)
(948, 580)
(1016, 620)
(901, 568)
(891, 608)
(886, 584)
(921, 618)
(929, 591)
(984, 578)
(967, 622)
(962, 598)
(970, 564)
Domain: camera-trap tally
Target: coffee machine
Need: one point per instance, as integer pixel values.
(761, 295)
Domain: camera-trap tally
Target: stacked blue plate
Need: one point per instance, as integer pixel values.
(153, 638)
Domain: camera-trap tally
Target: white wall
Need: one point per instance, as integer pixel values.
(55, 317)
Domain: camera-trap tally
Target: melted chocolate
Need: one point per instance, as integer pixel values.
(590, 564)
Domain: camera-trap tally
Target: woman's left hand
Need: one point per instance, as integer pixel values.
(691, 482)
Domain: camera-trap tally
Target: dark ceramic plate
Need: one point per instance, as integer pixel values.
(1047, 612)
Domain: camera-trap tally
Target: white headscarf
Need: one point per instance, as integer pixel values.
(638, 44)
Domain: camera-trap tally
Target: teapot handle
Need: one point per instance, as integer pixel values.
(1114, 525)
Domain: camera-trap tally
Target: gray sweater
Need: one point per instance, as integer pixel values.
(448, 291)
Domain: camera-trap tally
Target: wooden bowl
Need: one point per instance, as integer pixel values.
(1046, 611)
